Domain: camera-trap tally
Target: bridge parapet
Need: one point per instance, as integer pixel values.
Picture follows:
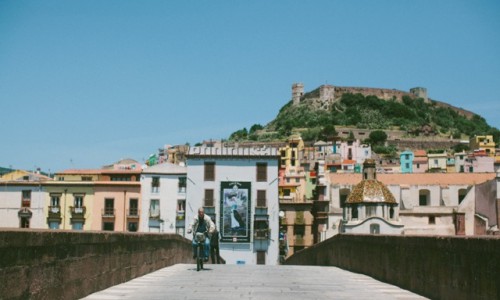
(44, 264)
(435, 267)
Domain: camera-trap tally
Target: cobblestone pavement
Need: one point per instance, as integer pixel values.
(221, 282)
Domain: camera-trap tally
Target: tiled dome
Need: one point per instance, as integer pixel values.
(371, 191)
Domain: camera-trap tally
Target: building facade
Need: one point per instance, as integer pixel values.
(238, 188)
(163, 198)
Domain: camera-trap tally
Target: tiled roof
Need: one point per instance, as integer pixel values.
(415, 178)
(420, 153)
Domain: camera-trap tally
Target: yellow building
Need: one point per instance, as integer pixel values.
(483, 142)
(102, 199)
(290, 153)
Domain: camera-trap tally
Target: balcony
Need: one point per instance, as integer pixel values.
(80, 210)
(180, 215)
(133, 213)
(154, 213)
(108, 212)
(262, 234)
(54, 212)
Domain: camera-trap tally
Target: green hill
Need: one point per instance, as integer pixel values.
(368, 112)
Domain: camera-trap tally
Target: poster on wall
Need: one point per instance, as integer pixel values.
(235, 211)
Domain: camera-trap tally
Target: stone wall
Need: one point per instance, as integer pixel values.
(43, 264)
(434, 267)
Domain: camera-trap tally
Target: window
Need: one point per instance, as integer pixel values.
(407, 156)
(132, 226)
(432, 220)
(418, 166)
(407, 165)
(286, 192)
(109, 207)
(261, 198)
(133, 207)
(423, 198)
(26, 199)
(261, 172)
(299, 230)
(154, 208)
(343, 194)
(86, 178)
(108, 226)
(374, 228)
(355, 212)
(54, 224)
(25, 222)
(182, 184)
(209, 171)
(461, 195)
(77, 225)
(435, 162)
(371, 211)
(209, 197)
(391, 213)
(155, 184)
(121, 178)
(55, 199)
(78, 203)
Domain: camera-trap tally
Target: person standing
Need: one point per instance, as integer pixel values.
(214, 246)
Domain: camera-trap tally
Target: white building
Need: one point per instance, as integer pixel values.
(238, 187)
(163, 189)
(22, 204)
(428, 203)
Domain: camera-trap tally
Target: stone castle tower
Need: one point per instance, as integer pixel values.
(420, 92)
(297, 92)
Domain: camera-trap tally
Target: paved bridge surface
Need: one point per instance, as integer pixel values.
(221, 282)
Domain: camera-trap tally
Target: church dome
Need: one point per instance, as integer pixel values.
(370, 190)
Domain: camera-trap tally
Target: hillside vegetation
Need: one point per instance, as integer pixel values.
(367, 112)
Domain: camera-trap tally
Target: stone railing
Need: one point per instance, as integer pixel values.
(43, 264)
(435, 267)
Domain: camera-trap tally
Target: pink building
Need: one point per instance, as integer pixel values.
(420, 162)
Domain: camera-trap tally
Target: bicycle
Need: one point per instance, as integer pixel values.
(200, 250)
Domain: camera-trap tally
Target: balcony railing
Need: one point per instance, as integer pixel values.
(180, 215)
(108, 212)
(133, 212)
(154, 213)
(262, 233)
(55, 209)
(79, 210)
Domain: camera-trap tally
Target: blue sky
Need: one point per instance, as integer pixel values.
(86, 83)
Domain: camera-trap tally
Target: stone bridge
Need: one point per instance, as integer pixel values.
(43, 264)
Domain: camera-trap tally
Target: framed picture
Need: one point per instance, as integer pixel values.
(235, 211)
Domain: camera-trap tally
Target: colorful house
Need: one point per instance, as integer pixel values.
(406, 161)
(483, 142)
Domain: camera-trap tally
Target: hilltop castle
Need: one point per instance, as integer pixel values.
(326, 94)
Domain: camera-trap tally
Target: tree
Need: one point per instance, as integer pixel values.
(378, 137)
(254, 128)
(328, 133)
